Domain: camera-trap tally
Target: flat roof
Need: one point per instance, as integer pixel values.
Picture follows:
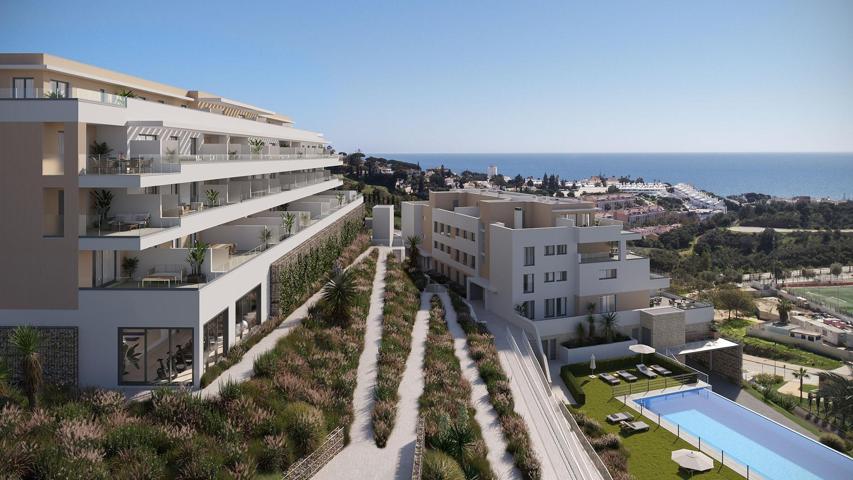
(703, 346)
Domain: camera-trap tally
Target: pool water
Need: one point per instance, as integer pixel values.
(771, 450)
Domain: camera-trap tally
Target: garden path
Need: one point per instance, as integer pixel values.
(500, 460)
(244, 369)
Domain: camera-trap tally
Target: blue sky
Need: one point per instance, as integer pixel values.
(490, 76)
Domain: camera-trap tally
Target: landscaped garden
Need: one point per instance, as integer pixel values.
(298, 282)
(402, 301)
(455, 446)
(302, 390)
(736, 329)
(643, 455)
(481, 345)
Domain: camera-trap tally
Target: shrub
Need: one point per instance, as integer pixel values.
(273, 454)
(608, 441)
(834, 442)
(305, 427)
(573, 384)
(440, 466)
(135, 435)
(265, 363)
(139, 463)
(103, 402)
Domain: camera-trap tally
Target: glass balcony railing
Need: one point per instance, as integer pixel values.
(74, 93)
(162, 271)
(140, 223)
(157, 164)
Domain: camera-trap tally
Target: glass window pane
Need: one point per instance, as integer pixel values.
(132, 355)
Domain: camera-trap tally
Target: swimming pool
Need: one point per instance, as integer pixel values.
(771, 450)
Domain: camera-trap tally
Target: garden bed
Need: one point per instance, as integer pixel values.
(302, 390)
(402, 301)
(481, 345)
(298, 283)
(455, 446)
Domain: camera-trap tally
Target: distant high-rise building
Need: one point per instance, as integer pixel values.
(493, 170)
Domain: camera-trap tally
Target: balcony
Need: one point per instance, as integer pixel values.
(162, 164)
(233, 245)
(75, 94)
(147, 220)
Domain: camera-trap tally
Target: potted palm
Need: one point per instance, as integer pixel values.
(340, 197)
(287, 221)
(102, 201)
(129, 266)
(195, 258)
(26, 340)
(256, 145)
(212, 197)
(266, 234)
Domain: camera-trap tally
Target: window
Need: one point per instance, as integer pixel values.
(435, 243)
(607, 274)
(58, 89)
(527, 280)
(465, 258)
(607, 303)
(155, 356)
(529, 256)
(562, 249)
(457, 232)
(472, 236)
(215, 333)
(23, 88)
(529, 309)
(473, 262)
(550, 276)
(146, 136)
(465, 234)
(248, 312)
(549, 308)
(174, 137)
(53, 224)
(561, 305)
(562, 276)
(549, 250)
(435, 227)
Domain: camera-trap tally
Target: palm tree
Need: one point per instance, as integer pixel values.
(784, 308)
(837, 392)
(266, 235)
(339, 295)
(287, 221)
(609, 322)
(25, 340)
(414, 254)
(801, 374)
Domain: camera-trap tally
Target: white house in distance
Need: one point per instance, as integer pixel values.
(109, 182)
(544, 263)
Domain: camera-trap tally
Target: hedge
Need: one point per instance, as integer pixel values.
(573, 384)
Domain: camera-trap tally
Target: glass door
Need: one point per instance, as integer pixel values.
(23, 88)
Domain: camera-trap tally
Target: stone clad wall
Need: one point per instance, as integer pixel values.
(59, 354)
(305, 247)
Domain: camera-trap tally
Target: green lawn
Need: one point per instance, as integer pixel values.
(840, 296)
(649, 451)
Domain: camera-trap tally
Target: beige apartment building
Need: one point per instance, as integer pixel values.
(545, 263)
(140, 220)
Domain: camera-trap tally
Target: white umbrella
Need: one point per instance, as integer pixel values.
(642, 350)
(592, 365)
(692, 460)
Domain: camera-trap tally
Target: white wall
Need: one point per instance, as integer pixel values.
(602, 352)
(383, 224)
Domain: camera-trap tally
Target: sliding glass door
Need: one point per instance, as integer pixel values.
(155, 356)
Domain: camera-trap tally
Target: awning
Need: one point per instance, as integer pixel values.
(702, 346)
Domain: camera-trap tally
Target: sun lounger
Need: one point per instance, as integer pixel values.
(634, 427)
(646, 371)
(627, 376)
(660, 370)
(619, 417)
(609, 378)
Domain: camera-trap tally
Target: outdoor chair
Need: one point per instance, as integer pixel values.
(660, 370)
(619, 417)
(627, 376)
(634, 427)
(646, 371)
(609, 378)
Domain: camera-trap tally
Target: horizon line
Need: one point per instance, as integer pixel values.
(624, 153)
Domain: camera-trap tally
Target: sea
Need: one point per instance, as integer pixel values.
(778, 174)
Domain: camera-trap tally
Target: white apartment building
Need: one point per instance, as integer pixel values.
(698, 199)
(109, 183)
(542, 262)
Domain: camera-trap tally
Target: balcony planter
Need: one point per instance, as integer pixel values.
(196, 278)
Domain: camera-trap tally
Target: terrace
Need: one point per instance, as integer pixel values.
(232, 245)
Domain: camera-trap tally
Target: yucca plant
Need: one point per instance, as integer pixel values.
(609, 322)
(26, 340)
(340, 197)
(126, 93)
(195, 258)
(212, 197)
(339, 294)
(102, 200)
(99, 148)
(266, 235)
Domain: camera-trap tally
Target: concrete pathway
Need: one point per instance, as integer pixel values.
(244, 369)
(500, 460)
(362, 458)
(559, 450)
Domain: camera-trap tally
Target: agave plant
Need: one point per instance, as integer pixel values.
(609, 322)
(26, 340)
(126, 93)
(212, 197)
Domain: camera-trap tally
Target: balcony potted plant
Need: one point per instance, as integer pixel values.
(129, 266)
(256, 145)
(195, 258)
(266, 234)
(102, 200)
(340, 197)
(287, 221)
(212, 197)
